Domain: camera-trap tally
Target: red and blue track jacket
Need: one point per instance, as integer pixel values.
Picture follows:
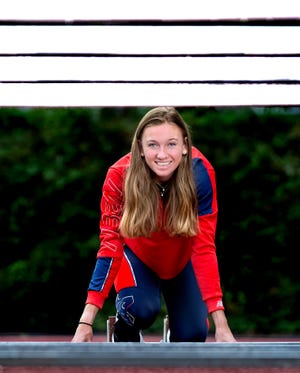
(164, 254)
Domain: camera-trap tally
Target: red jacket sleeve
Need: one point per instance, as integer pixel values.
(204, 257)
(205, 263)
(110, 253)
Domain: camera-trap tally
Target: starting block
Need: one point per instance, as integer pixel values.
(111, 322)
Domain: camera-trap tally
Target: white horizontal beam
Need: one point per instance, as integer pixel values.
(149, 69)
(152, 10)
(147, 94)
(159, 40)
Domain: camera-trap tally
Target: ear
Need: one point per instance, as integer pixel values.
(185, 147)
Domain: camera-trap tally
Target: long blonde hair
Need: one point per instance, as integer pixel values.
(142, 215)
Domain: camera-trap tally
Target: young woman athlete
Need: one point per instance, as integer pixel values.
(157, 237)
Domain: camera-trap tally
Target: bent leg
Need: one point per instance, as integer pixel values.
(186, 310)
(137, 306)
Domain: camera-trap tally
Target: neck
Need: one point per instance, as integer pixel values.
(163, 189)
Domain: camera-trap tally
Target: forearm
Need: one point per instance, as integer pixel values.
(89, 313)
(222, 329)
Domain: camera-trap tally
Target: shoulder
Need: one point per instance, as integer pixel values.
(200, 160)
(204, 172)
(115, 173)
(205, 181)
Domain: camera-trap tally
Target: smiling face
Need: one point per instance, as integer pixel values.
(163, 147)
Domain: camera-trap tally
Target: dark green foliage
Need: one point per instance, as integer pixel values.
(256, 156)
(53, 163)
(52, 166)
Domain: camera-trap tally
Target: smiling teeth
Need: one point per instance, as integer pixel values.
(163, 163)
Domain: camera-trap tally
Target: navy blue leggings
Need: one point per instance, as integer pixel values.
(140, 305)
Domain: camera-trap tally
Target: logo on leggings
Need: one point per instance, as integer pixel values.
(122, 305)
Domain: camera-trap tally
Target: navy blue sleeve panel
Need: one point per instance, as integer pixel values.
(204, 187)
(100, 274)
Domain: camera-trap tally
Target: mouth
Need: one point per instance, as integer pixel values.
(163, 164)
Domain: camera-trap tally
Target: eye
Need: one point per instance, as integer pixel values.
(172, 144)
(152, 145)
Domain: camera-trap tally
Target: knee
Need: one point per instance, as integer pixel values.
(140, 312)
(145, 316)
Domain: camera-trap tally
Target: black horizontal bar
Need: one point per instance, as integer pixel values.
(198, 82)
(252, 21)
(148, 55)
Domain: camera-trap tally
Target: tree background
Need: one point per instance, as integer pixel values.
(52, 166)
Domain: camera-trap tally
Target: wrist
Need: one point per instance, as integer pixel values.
(88, 315)
(85, 323)
(219, 318)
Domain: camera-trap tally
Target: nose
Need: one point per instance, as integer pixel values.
(161, 152)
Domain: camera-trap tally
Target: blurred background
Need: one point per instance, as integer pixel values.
(52, 166)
